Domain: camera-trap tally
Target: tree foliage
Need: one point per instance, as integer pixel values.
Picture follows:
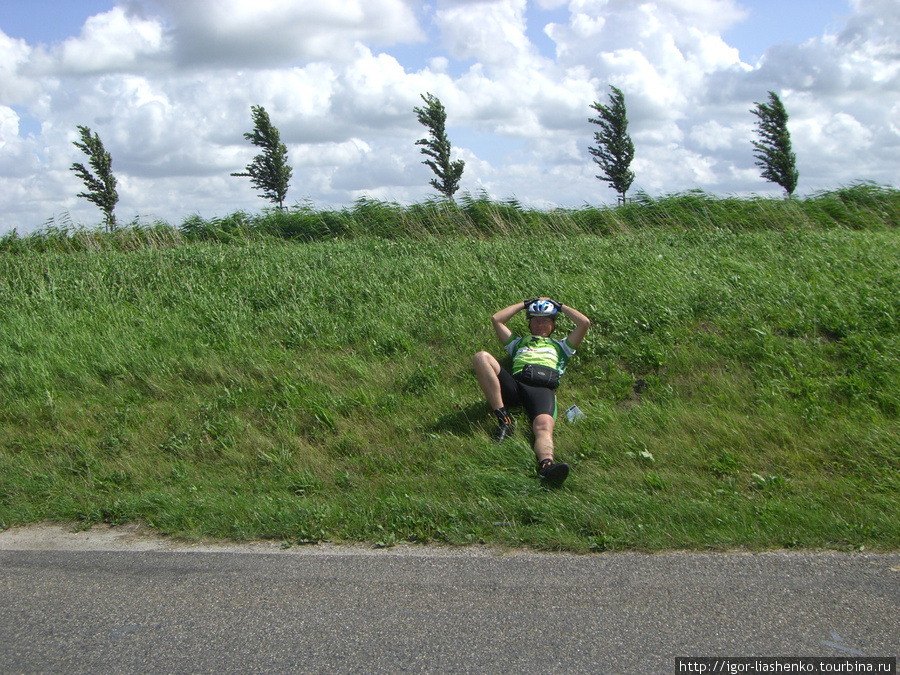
(773, 152)
(269, 170)
(100, 185)
(437, 147)
(614, 150)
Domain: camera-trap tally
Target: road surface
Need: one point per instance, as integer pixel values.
(115, 601)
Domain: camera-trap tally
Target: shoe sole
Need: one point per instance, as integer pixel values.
(500, 437)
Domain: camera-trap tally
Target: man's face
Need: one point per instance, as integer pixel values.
(541, 325)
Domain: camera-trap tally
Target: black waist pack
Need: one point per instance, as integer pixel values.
(539, 376)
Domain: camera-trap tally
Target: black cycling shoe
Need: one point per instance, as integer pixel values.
(504, 430)
(505, 425)
(554, 472)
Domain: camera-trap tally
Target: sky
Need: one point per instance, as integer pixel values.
(168, 86)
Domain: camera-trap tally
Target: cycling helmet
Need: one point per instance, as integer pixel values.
(541, 308)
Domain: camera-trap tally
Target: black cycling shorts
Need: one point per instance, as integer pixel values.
(535, 400)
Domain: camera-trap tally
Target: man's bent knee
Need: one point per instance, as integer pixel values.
(543, 424)
(482, 359)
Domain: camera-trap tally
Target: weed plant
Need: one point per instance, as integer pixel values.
(305, 376)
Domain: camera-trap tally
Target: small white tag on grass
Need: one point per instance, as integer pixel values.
(644, 455)
(574, 413)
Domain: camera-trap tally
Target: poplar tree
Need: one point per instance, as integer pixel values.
(434, 118)
(773, 152)
(269, 170)
(614, 150)
(100, 185)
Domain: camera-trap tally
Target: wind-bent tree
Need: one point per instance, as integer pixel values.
(773, 152)
(101, 185)
(269, 170)
(437, 147)
(614, 150)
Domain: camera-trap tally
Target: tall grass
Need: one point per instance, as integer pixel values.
(860, 206)
(305, 376)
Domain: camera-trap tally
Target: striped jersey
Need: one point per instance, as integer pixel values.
(539, 351)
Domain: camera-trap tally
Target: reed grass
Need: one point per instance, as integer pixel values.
(861, 206)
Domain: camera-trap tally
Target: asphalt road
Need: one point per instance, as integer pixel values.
(152, 609)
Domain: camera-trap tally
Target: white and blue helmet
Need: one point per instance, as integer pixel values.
(541, 308)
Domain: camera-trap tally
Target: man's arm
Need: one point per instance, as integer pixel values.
(500, 319)
(582, 323)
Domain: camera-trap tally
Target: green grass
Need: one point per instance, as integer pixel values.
(305, 376)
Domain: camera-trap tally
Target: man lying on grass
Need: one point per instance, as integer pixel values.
(538, 361)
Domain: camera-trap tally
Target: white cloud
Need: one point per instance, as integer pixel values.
(238, 33)
(658, 53)
(491, 32)
(116, 41)
(9, 126)
(708, 16)
(714, 136)
(17, 158)
(16, 87)
(836, 136)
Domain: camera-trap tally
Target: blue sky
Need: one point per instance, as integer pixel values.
(771, 22)
(47, 21)
(168, 85)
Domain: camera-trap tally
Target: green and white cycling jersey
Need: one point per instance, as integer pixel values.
(539, 351)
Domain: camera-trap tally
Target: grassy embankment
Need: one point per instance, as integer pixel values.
(306, 376)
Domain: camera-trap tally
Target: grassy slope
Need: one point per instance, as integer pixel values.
(741, 386)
